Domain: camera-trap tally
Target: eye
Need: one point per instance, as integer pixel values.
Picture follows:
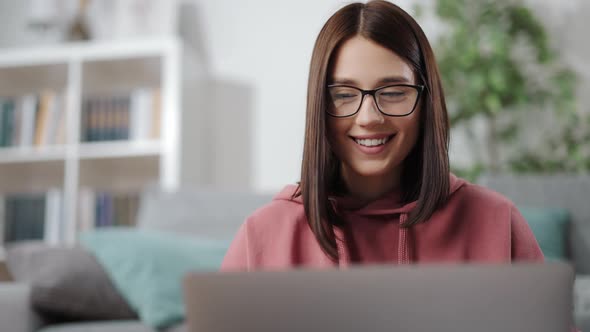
(343, 94)
(395, 94)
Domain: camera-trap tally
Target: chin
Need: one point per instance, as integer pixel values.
(372, 169)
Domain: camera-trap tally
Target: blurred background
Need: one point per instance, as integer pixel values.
(138, 112)
(101, 99)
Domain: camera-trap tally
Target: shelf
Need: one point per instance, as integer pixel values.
(32, 78)
(26, 176)
(115, 149)
(119, 174)
(121, 74)
(119, 149)
(88, 51)
(13, 155)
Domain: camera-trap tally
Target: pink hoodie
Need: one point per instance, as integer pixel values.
(476, 225)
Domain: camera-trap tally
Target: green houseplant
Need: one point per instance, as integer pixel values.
(498, 68)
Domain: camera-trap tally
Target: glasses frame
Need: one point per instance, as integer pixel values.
(419, 88)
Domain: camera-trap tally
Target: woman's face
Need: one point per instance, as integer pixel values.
(365, 64)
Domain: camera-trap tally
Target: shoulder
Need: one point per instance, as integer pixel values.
(283, 212)
(475, 202)
(267, 231)
(474, 194)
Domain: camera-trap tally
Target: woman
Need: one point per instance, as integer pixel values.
(375, 182)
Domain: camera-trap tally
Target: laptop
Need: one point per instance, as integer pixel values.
(442, 298)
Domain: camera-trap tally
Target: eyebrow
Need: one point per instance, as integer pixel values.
(384, 80)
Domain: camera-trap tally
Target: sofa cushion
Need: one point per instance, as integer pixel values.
(202, 213)
(110, 326)
(68, 283)
(550, 226)
(16, 314)
(106, 326)
(570, 192)
(582, 302)
(178, 328)
(148, 266)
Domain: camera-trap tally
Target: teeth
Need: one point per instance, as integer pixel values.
(372, 142)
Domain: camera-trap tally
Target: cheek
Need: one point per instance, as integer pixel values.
(409, 127)
(336, 133)
(412, 128)
(330, 132)
(336, 130)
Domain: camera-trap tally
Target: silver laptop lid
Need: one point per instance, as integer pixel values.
(442, 298)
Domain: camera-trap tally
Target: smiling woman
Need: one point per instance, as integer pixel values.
(373, 143)
(375, 46)
(375, 183)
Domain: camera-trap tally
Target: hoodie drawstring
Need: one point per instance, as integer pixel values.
(403, 248)
(343, 258)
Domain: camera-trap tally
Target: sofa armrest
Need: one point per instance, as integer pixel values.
(582, 302)
(16, 314)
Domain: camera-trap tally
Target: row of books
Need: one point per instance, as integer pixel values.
(40, 216)
(32, 120)
(99, 209)
(40, 119)
(133, 116)
(32, 216)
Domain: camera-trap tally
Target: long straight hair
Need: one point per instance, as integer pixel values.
(425, 175)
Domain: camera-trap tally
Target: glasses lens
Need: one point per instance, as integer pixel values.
(345, 100)
(397, 100)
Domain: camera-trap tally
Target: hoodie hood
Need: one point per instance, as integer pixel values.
(387, 207)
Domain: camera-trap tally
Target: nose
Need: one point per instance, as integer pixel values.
(369, 114)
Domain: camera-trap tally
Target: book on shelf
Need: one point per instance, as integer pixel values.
(32, 119)
(32, 216)
(7, 108)
(129, 116)
(40, 216)
(105, 209)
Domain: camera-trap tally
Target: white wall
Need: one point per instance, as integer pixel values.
(266, 45)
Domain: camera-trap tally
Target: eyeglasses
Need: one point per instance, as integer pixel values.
(392, 100)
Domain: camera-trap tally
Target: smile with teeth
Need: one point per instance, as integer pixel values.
(372, 142)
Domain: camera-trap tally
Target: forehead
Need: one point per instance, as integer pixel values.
(366, 63)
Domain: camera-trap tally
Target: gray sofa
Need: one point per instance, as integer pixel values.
(218, 215)
(203, 213)
(571, 192)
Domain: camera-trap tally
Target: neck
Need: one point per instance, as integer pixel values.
(370, 188)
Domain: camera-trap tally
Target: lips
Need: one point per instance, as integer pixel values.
(372, 136)
(372, 140)
(372, 145)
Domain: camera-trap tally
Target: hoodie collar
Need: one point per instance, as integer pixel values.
(385, 204)
(388, 205)
(351, 205)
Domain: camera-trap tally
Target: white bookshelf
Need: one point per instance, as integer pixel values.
(100, 150)
(11, 155)
(79, 69)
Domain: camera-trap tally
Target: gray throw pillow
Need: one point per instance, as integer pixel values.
(66, 282)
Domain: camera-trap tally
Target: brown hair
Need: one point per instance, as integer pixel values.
(425, 176)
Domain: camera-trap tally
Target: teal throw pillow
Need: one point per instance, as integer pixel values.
(550, 226)
(148, 266)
